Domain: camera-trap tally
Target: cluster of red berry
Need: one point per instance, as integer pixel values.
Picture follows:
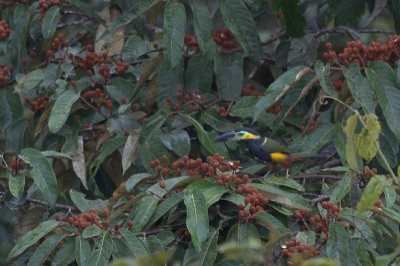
(249, 90)
(332, 209)
(191, 42)
(39, 104)
(121, 67)
(44, 5)
(97, 93)
(224, 37)
(254, 200)
(338, 85)
(368, 173)
(85, 220)
(311, 127)
(297, 252)
(92, 58)
(274, 109)
(361, 54)
(221, 111)
(4, 72)
(4, 30)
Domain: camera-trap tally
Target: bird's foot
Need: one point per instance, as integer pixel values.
(287, 173)
(266, 175)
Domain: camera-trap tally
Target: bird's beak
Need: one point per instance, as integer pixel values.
(231, 135)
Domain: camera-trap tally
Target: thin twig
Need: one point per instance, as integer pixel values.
(315, 176)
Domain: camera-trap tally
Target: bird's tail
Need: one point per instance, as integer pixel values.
(300, 156)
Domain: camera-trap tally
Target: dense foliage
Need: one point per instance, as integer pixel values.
(109, 112)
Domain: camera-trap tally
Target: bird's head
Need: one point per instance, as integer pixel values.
(243, 133)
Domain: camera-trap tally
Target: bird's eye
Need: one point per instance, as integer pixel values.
(241, 134)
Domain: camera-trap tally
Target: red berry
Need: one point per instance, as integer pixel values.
(126, 133)
(328, 46)
(123, 100)
(76, 118)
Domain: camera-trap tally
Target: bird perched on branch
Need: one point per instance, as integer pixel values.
(266, 149)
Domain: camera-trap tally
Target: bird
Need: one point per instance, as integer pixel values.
(266, 149)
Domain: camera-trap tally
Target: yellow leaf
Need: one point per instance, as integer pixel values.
(369, 138)
(350, 126)
(351, 152)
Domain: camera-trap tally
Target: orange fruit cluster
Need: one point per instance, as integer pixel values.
(4, 71)
(224, 37)
(44, 5)
(121, 67)
(254, 199)
(249, 90)
(368, 173)
(92, 58)
(298, 252)
(97, 93)
(221, 111)
(333, 209)
(191, 42)
(4, 30)
(379, 204)
(39, 104)
(274, 109)
(17, 164)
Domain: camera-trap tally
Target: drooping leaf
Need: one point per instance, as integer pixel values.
(372, 192)
(41, 253)
(229, 73)
(16, 184)
(202, 23)
(10, 108)
(341, 188)
(66, 254)
(79, 164)
(167, 82)
(61, 110)
(32, 238)
(178, 141)
(50, 22)
(292, 17)
(174, 31)
(88, 9)
(101, 255)
(214, 194)
(135, 245)
(337, 247)
(323, 72)
(146, 208)
(130, 150)
(240, 21)
(199, 74)
(303, 51)
(197, 218)
(42, 173)
(82, 251)
(360, 88)
(83, 204)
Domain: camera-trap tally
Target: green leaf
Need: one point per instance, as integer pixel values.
(292, 18)
(276, 229)
(101, 255)
(10, 108)
(208, 252)
(384, 84)
(152, 149)
(134, 12)
(50, 22)
(134, 244)
(244, 107)
(218, 123)
(390, 196)
(130, 150)
(15, 134)
(79, 164)
(120, 249)
(42, 174)
(61, 110)
(282, 195)
(146, 208)
(82, 251)
(167, 82)
(306, 238)
(163, 208)
(65, 255)
(136, 47)
(43, 251)
(153, 123)
(323, 72)
(173, 183)
(353, 217)
(303, 51)
(214, 194)
(83, 204)
(177, 141)
(287, 182)
(341, 188)
(372, 192)
(16, 184)
(199, 74)
(349, 11)
(148, 69)
(229, 73)
(18, 33)
(87, 9)
(109, 147)
(91, 231)
(337, 247)
(174, 31)
(138, 179)
(203, 28)
(242, 234)
(57, 155)
(30, 80)
(275, 89)
(197, 218)
(31, 238)
(53, 73)
(360, 88)
(240, 21)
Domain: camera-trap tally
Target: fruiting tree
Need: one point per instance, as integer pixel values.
(109, 112)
